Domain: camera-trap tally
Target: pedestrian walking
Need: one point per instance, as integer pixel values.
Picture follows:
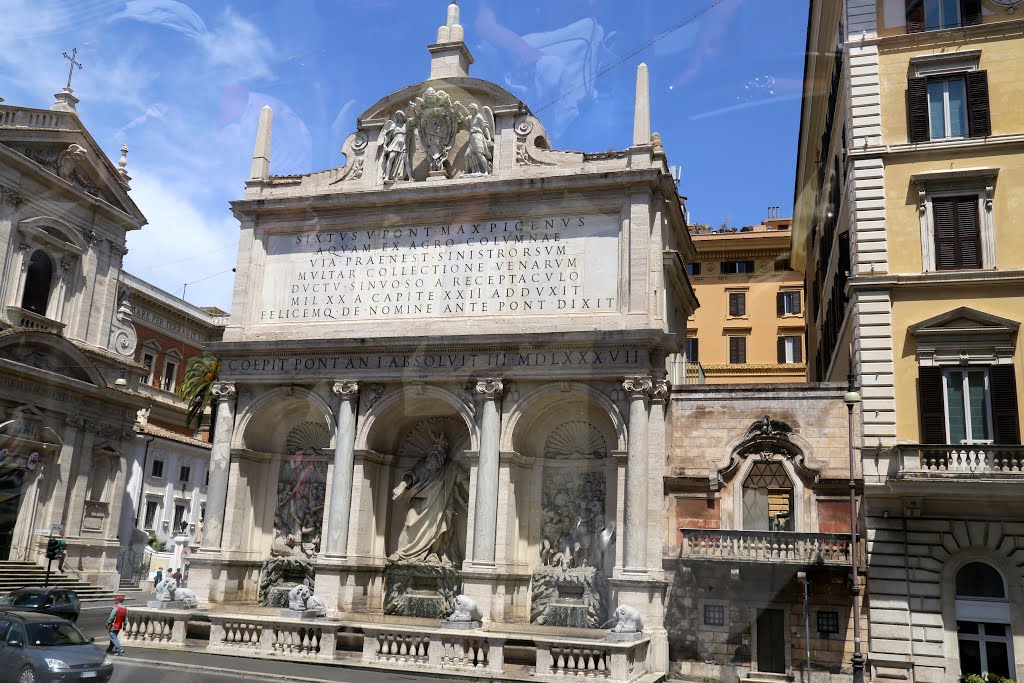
(115, 622)
(176, 576)
(158, 577)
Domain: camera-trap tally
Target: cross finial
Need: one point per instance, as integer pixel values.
(71, 69)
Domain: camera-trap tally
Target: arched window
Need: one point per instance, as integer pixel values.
(768, 498)
(38, 279)
(983, 621)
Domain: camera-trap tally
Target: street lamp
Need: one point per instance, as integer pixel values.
(851, 399)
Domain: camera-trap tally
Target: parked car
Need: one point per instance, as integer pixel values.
(35, 646)
(60, 602)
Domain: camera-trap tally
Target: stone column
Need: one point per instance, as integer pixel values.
(58, 503)
(485, 519)
(655, 454)
(220, 461)
(340, 510)
(635, 531)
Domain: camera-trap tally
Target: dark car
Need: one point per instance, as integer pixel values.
(37, 647)
(59, 602)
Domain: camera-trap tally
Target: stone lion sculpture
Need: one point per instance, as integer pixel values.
(298, 596)
(465, 610)
(187, 596)
(166, 589)
(316, 605)
(627, 620)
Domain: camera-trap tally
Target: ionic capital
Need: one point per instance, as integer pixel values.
(660, 390)
(223, 390)
(346, 389)
(489, 388)
(638, 386)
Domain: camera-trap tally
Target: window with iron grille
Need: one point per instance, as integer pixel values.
(714, 615)
(828, 623)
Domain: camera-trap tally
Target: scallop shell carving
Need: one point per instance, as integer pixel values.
(422, 437)
(576, 440)
(307, 437)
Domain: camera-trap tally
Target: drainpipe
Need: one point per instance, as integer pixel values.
(802, 578)
(851, 399)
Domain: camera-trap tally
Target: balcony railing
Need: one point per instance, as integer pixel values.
(940, 459)
(20, 317)
(774, 547)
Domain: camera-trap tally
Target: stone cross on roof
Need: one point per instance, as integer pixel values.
(71, 68)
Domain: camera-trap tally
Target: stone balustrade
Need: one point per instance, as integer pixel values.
(438, 649)
(161, 628)
(276, 636)
(592, 660)
(776, 547)
(947, 460)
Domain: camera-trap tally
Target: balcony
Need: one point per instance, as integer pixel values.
(943, 461)
(772, 547)
(19, 317)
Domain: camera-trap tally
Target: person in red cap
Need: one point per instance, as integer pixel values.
(115, 622)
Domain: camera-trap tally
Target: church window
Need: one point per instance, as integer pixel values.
(768, 498)
(38, 280)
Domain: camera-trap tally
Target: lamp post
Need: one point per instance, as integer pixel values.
(851, 399)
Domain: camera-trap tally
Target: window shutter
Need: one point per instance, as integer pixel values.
(979, 120)
(694, 350)
(796, 303)
(741, 303)
(798, 351)
(931, 406)
(970, 12)
(781, 346)
(741, 342)
(915, 16)
(969, 237)
(733, 305)
(944, 215)
(737, 350)
(917, 109)
(1005, 419)
(780, 304)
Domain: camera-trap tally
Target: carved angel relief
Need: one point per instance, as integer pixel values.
(480, 123)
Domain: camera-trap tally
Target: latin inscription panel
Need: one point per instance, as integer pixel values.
(543, 266)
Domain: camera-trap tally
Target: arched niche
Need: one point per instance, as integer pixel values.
(382, 428)
(266, 424)
(530, 421)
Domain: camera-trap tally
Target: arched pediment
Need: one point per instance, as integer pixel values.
(54, 232)
(50, 352)
(482, 91)
(766, 439)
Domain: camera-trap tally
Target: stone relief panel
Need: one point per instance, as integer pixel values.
(301, 488)
(573, 518)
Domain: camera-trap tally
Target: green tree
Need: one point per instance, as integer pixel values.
(197, 386)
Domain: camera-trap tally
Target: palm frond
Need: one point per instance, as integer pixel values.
(197, 385)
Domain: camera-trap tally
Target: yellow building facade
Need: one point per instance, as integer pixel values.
(908, 223)
(750, 324)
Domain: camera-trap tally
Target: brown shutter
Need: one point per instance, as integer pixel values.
(968, 235)
(915, 16)
(737, 350)
(1005, 419)
(780, 304)
(796, 303)
(742, 343)
(781, 349)
(917, 109)
(979, 120)
(944, 218)
(970, 12)
(733, 305)
(931, 406)
(741, 303)
(798, 350)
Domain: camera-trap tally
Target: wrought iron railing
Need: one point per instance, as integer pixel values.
(964, 458)
(777, 547)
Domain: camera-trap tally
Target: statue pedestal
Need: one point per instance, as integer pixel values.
(299, 614)
(460, 625)
(421, 590)
(614, 637)
(167, 604)
(573, 598)
(437, 175)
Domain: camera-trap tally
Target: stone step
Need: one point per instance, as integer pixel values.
(17, 574)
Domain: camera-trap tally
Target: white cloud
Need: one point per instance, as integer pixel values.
(181, 243)
(238, 45)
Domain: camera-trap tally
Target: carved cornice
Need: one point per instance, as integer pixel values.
(223, 390)
(637, 386)
(347, 389)
(489, 388)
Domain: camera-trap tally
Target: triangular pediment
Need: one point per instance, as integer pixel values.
(965, 321)
(63, 148)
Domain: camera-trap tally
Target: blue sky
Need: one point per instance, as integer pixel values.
(181, 83)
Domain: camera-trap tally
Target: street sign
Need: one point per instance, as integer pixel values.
(42, 532)
(57, 530)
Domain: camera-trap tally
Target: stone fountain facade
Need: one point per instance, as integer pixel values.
(446, 373)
